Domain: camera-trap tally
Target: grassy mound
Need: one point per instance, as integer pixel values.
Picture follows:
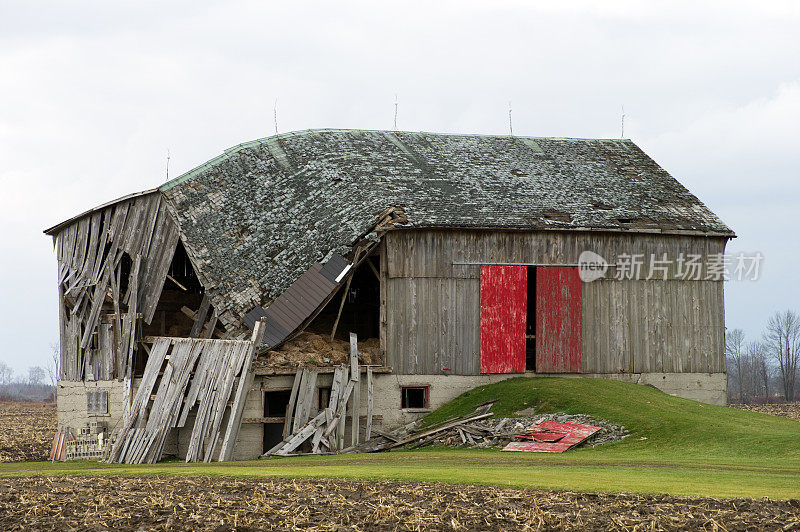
(662, 427)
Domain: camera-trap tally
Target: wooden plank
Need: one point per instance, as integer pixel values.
(200, 318)
(370, 405)
(354, 373)
(305, 398)
(287, 427)
(355, 408)
(302, 435)
(245, 383)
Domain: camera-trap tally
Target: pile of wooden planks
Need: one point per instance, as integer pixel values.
(186, 372)
(326, 430)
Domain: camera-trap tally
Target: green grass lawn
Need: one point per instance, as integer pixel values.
(676, 446)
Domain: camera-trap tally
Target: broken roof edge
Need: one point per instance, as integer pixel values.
(52, 230)
(577, 229)
(264, 140)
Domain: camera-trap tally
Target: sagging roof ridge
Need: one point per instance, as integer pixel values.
(273, 138)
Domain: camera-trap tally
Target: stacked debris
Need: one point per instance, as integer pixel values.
(311, 349)
(325, 432)
(482, 431)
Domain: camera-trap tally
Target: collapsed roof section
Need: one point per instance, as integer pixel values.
(258, 217)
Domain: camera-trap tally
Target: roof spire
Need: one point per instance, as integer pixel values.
(275, 114)
(395, 111)
(510, 126)
(622, 133)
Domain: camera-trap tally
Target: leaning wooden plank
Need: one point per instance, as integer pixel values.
(338, 419)
(355, 411)
(212, 324)
(302, 435)
(306, 398)
(200, 319)
(369, 403)
(245, 383)
(354, 373)
(427, 433)
(287, 426)
(236, 360)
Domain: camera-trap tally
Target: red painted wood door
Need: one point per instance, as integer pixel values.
(503, 310)
(559, 318)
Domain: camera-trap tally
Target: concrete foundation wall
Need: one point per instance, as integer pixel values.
(388, 414)
(72, 407)
(705, 387)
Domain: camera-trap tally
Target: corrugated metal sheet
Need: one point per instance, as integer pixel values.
(299, 301)
(503, 311)
(559, 315)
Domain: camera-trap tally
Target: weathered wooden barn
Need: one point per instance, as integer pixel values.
(456, 259)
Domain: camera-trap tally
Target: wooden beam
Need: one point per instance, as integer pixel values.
(200, 318)
(369, 404)
(245, 383)
(344, 293)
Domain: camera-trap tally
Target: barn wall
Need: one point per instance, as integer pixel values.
(432, 316)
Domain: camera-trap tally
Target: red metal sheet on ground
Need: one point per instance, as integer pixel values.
(559, 317)
(573, 434)
(504, 299)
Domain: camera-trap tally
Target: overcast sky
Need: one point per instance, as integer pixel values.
(93, 94)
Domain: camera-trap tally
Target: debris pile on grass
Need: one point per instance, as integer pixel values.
(480, 430)
(311, 349)
(498, 432)
(26, 431)
(790, 410)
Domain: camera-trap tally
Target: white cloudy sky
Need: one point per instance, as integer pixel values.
(93, 94)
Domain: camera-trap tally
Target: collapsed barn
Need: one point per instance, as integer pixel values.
(211, 317)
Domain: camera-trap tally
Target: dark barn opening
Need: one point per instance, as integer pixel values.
(414, 396)
(530, 323)
(275, 405)
(182, 290)
(361, 310)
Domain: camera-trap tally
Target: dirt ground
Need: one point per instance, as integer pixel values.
(26, 431)
(202, 503)
(790, 410)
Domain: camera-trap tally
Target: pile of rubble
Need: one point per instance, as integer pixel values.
(480, 430)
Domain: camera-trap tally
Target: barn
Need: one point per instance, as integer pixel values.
(218, 314)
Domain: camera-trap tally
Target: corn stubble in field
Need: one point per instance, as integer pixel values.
(203, 503)
(26, 431)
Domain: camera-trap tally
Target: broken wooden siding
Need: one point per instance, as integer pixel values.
(98, 343)
(558, 320)
(433, 307)
(503, 309)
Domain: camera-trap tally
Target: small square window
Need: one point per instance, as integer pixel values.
(414, 396)
(97, 402)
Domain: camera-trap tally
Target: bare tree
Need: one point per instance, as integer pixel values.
(36, 375)
(783, 341)
(54, 366)
(6, 373)
(734, 349)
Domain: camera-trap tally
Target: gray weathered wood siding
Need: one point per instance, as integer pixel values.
(432, 307)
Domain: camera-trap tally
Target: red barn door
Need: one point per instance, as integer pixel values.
(559, 319)
(503, 310)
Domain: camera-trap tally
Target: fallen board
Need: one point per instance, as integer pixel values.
(567, 434)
